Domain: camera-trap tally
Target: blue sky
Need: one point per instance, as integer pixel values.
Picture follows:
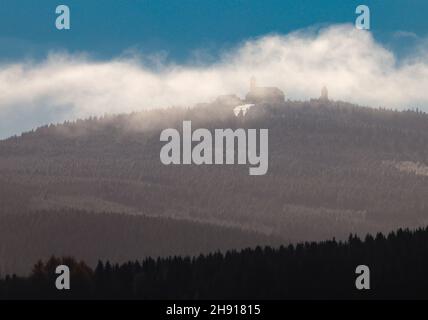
(130, 55)
(178, 28)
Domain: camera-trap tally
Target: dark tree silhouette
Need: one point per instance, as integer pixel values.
(398, 269)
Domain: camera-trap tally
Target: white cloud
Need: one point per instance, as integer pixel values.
(405, 34)
(350, 62)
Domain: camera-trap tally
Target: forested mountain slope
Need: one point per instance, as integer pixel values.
(334, 168)
(116, 237)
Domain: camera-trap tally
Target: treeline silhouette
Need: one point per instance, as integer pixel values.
(398, 266)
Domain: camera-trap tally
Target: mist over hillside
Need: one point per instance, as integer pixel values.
(334, 169)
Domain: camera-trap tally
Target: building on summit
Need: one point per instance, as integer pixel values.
(263, 94)
(258, 95)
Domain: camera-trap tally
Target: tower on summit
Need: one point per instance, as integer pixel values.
(253, 84)
(324, 94)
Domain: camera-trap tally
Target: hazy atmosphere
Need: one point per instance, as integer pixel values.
(64, 78)
(201, 149)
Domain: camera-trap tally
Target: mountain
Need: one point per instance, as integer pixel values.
(334, 169)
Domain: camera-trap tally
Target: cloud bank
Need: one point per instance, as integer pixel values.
(349, 62)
